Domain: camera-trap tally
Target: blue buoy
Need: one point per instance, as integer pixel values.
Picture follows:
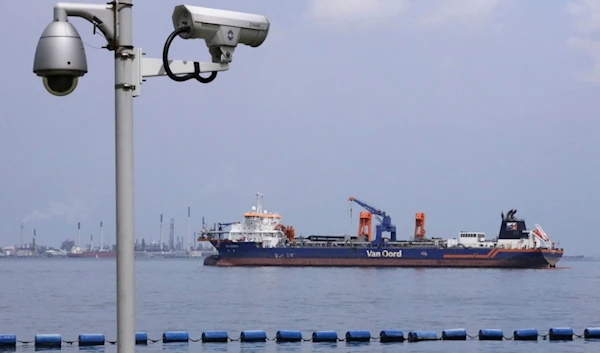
(358, 336)
(528, 334)
(458, 334)
(487, 334)
(48, 340)
(175, 336)
(386, 336)
(91, 339)
(561, 334)
(324, 336)
(8, 341)
(253, 336)
(591, 332)
(215, 336)
(415, 336)
(141, 338)
(288, 336)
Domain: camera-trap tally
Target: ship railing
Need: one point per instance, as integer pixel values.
(351, 244)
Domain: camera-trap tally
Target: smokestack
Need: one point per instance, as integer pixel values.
(21, 235)
(79, 235)
(188, 231)
(91, 242)
(100, 235)
(161, 237)
(172, 235)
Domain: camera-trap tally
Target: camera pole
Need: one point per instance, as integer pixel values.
(60, 60)
(124, 56)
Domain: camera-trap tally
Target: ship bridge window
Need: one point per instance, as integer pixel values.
(468, 235)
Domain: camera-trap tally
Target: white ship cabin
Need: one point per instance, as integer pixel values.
(477, 240)
(471, 240)
(258, 226)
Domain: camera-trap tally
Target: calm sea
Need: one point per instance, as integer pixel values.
(73, 296)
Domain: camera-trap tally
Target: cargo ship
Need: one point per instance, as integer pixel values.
(96, 254)
(260, 239)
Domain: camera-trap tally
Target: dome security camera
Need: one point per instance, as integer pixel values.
(60, 58)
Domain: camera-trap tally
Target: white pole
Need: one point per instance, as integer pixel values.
(101, 236)
(188, 231)
(161, 233)
(124, 55)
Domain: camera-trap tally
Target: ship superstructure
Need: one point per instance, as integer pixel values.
(258, 226)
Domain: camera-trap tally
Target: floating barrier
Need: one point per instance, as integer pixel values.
(91, 340)
(591, 332)
(8, 341)
(385, 336)
(288, 336)
(416, 336)
(141, 338)
(253, 336)
(358, 336)
(325, 336)
(561, 333)
(528, 334)
(48, 340)
(391, 336)
(175, 336)
(491, 335)
(215, 336)
(459, 334)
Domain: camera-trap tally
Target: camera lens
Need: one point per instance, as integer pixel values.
(60, 85)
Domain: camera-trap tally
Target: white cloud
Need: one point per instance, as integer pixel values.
(591, 47)
(459, 12)
(77, 211)
(225, 180)
(586, 22)
(373, 12)
(586, 15)
(356, 12)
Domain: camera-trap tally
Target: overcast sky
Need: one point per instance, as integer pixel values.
(460, 109)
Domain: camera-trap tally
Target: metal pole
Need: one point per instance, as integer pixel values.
(189, 242)
(124, 178)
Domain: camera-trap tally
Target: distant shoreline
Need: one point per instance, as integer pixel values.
(581, 257)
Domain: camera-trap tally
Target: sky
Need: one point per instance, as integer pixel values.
(460, 109)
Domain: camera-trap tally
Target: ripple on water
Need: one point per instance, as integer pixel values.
(76, 296)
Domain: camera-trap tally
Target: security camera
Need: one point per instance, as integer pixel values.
(222, 30)
(60, 58)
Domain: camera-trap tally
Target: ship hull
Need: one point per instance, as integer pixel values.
(248, 254)
(94, 254)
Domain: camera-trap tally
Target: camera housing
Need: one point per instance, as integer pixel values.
(222, 30)
(60, 58)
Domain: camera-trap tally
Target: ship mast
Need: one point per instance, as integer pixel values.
(259, 203)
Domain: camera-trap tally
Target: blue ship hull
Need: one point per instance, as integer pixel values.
(252, 254)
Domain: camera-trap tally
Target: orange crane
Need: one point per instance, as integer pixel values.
(420, 226)
(289, 231)
(364, 225)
